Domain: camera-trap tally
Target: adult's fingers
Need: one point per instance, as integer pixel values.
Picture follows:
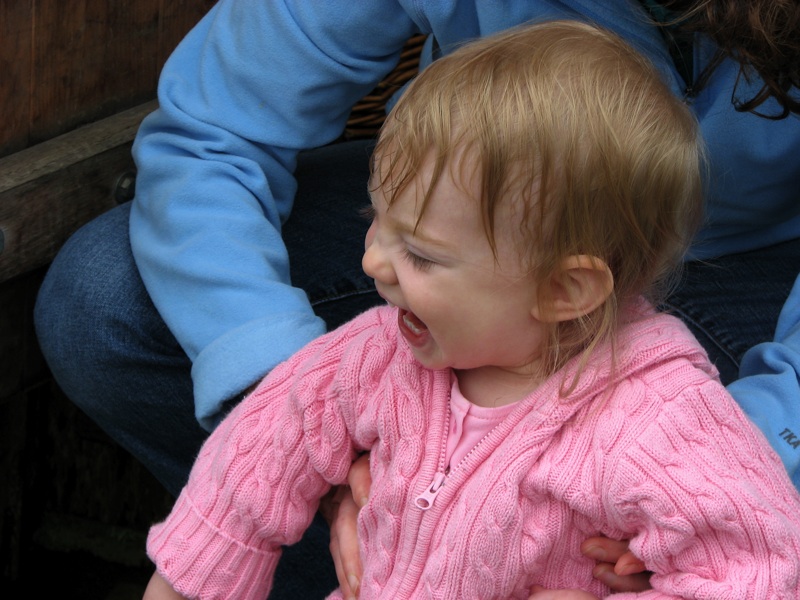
(637, 582)
(360, 479)
(604, 549)
(617, 567)
(344, 542)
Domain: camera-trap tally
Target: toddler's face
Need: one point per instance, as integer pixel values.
(457, 307)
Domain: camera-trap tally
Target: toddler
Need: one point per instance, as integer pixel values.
(518, 394)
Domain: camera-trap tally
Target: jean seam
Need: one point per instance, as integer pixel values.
(342, 296)
(689, 321)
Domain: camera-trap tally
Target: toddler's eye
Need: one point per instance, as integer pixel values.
(423, 264)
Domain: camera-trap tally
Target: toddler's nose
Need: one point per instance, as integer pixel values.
(375, 262)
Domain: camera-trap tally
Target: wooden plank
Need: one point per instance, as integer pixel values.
(91, 59)
(37, 218)
(176, 18)
(73, 147)
(15, 65)
(48, 191)
(69, 63)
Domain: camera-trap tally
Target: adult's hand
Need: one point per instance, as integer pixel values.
(617, 567)
(340, 509)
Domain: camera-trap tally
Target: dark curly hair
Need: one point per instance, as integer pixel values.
(763, 36)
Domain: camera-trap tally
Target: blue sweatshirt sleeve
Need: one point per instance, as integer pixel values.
(251, 85)
(769, 386)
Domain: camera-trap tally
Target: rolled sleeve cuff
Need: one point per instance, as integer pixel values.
(240, 358)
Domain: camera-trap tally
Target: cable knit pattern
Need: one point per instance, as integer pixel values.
(656, 452)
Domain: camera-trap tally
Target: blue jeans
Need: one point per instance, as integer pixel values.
(115, 358)
(732, 303)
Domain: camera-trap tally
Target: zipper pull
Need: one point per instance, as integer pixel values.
(425, 500)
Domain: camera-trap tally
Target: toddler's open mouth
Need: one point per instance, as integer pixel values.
(412, 328)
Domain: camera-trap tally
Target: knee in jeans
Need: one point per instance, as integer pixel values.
(78, 292)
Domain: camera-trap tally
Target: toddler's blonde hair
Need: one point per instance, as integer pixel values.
(578, 132)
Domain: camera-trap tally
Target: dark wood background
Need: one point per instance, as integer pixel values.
(66, 63)
(77, 77)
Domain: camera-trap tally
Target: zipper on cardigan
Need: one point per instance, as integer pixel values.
(426, 499)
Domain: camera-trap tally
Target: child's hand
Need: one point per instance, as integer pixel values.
(540, 593)
(160, 589)
(617, 567)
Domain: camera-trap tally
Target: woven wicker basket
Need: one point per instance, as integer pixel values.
(368, 114)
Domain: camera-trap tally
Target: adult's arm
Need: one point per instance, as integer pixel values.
(768, 389)
(251, 85)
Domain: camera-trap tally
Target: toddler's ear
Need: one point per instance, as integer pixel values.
(580, 285)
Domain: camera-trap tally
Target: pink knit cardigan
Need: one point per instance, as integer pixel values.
(660, 455)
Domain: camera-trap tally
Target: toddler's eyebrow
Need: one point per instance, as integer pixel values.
(406, 228)
(414, 231)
